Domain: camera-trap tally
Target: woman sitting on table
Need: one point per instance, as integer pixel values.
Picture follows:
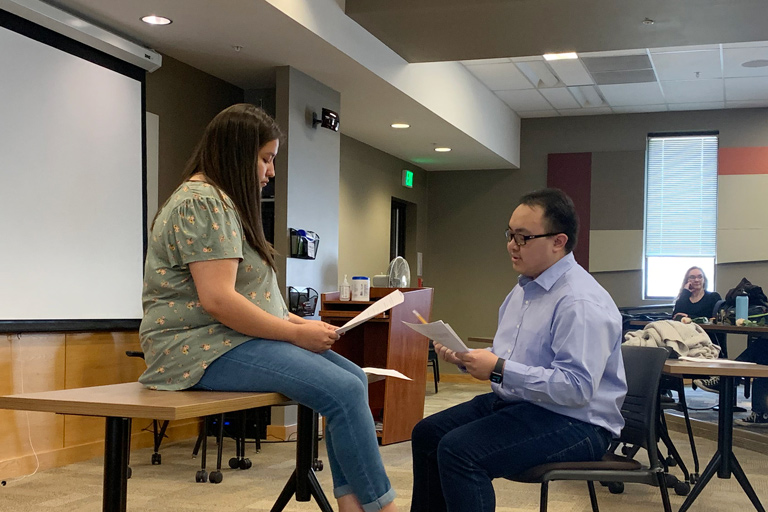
(214, 318)
(694, 300)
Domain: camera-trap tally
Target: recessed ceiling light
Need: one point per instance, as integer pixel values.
(442, 149)
(757, 63)
(560, 56)
(648, 21)
(400, 126)
(156, 20)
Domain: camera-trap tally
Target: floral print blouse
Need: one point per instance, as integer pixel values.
(178, 337)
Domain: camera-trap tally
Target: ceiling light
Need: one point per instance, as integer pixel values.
(442, 149)
(560, 56)
(648, 21)
(400, 126)
(156, 20)
(757, 63)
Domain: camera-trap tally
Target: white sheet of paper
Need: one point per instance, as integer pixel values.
(705, 360)
(385, 372)
(441, 333)
(377, 308)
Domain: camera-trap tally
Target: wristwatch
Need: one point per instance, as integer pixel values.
(497, 375)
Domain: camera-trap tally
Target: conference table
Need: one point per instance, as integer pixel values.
(724, 462)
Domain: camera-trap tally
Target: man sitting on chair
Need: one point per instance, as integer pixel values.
(556, 372)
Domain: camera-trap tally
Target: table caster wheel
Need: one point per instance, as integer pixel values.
(129, 473)
(216, 477)
(201, 476)
(245, 464)
(694, 478)
(317, 465)
(157, 459)
(234, 463)
(671, 462)
(616, 487)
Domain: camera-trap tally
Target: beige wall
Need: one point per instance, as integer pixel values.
(469, 267)
(307, 193)
(369, 181)
(185, 99)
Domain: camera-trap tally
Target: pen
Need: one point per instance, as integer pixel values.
(421, 318)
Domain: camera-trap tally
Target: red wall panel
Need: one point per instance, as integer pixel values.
(572, 173)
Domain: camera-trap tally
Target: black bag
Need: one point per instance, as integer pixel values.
(755, 294)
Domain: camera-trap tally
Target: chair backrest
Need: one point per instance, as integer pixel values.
(643, 366)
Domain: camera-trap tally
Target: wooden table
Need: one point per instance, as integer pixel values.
(724, 461)
(481, 339)
(119, 403)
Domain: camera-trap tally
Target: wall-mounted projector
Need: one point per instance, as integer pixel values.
(80, 30)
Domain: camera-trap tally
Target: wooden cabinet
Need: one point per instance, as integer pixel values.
(384, 342)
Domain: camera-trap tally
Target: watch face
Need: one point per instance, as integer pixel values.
(495, 378)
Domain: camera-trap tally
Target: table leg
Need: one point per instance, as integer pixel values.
(303, 481)
(117, 443)
(706, 476)
(725, 426)
(742, 479)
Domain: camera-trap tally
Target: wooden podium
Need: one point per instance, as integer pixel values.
(384, 342)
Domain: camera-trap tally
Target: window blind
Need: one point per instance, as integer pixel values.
(681, 196)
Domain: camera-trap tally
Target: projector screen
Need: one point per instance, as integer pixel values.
(72, 184)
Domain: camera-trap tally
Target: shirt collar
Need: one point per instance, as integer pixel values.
(549, 277)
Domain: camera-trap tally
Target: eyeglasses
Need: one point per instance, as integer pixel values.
(696, 278)
(521, 239)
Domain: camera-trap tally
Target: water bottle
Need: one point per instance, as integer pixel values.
(742, 306)
(344, 293)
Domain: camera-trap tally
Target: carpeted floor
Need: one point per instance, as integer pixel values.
(171, 487)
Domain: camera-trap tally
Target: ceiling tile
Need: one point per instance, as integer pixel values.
(611, 53)
(586, 111)
(697, 106)
(748, 44)
(571, 72)
(742, 89)
(499, 77)
(685, 65)
(693, 91)
(539, 113)
(524, 101)
(640, 108)
(747, 104)
(632, 94)
(559, 97)
(478, 62)
(692, 48)
(733, 58)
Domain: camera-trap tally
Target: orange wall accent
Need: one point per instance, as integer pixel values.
(742, 160)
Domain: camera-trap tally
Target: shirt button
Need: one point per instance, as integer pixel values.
(518, 326)
(527, 301)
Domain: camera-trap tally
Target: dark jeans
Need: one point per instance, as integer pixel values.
(757, 352)
(459, 451)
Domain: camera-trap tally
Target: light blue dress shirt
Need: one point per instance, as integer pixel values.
(561, 336)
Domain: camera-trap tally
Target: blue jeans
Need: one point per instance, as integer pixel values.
(329, 384)
(757, 352)
(459, 451)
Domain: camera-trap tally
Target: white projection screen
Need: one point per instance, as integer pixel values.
(72, 181)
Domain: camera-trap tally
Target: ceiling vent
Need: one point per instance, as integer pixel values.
(620, 69)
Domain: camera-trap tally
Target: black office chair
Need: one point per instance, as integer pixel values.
(432, 361)
(640, 411)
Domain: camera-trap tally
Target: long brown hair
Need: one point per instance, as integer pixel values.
(685, 281)
(227, 155)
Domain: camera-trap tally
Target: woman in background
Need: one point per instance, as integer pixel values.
(694, 301)
(214, 317)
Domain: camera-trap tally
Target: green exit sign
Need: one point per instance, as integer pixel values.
(407, 178)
